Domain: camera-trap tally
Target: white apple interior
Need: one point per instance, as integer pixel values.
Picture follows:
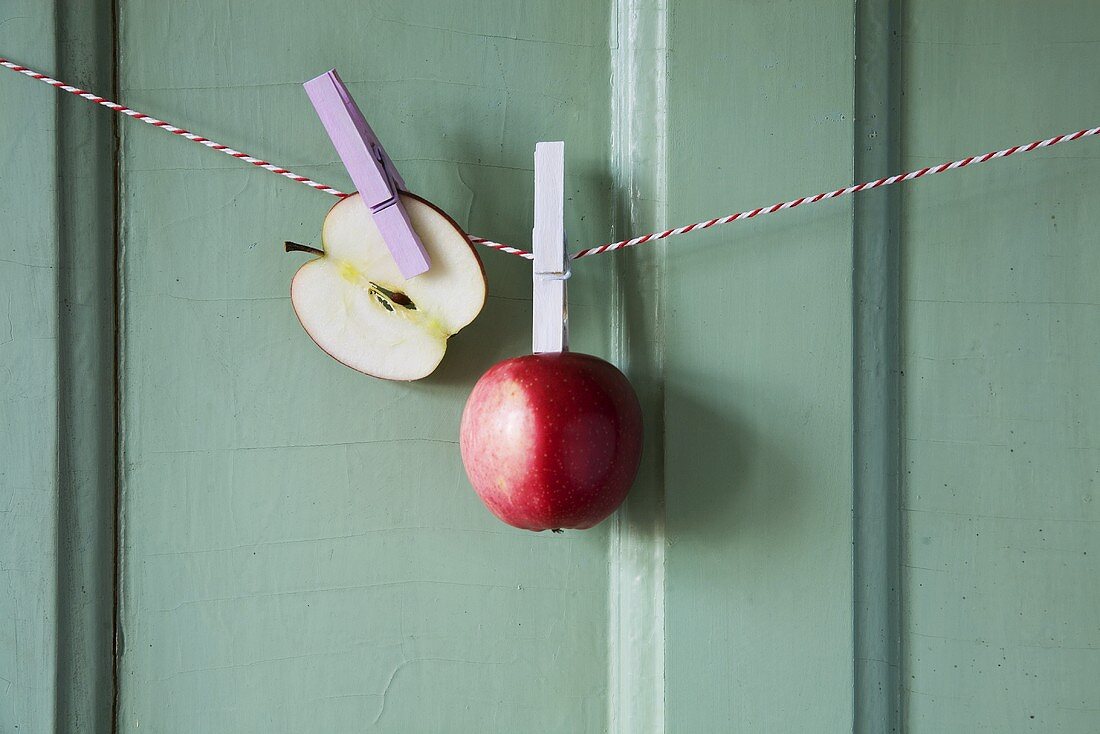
(355, 304)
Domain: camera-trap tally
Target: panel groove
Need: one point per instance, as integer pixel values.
(86, 448)
(876, 446)
(116, 254)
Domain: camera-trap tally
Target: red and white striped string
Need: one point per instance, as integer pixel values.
(781, 206)
(941, 168)
(170, 128)
(259, 163)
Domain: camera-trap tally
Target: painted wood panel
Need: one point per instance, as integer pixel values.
(302, 551)
(758, 371)
(28, 368)
(280, 566)
(1000, 337)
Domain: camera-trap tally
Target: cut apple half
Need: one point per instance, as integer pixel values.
(354, 303)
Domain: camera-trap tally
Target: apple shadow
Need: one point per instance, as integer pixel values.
(501, 330)
(723, 475)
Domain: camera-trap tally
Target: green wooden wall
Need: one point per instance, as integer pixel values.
(302, 551)
(758, 344)
(867, 500)
(29, 483)
(1001, 337)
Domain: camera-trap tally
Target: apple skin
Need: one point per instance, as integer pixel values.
(552, 441)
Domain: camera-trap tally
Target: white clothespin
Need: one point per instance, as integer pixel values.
(551, 267)
(370, 168)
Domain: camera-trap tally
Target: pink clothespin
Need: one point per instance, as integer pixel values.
(370, 168)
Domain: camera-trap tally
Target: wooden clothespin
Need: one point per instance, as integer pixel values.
(370, 168)
(551, 267)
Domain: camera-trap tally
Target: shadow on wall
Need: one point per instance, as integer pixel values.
(503, 328)
(724, 477)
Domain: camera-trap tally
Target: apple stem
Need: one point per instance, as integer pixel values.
(295, 247)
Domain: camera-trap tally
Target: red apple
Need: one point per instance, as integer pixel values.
(552, 440)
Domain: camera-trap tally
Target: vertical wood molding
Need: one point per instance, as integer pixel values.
(876, 455)
(57, 355)
(86, 204)
(636, 631)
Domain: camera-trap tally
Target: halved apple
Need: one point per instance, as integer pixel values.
(355, 304)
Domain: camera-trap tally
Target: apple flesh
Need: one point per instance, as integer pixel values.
(355, 304)
(552, 441)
